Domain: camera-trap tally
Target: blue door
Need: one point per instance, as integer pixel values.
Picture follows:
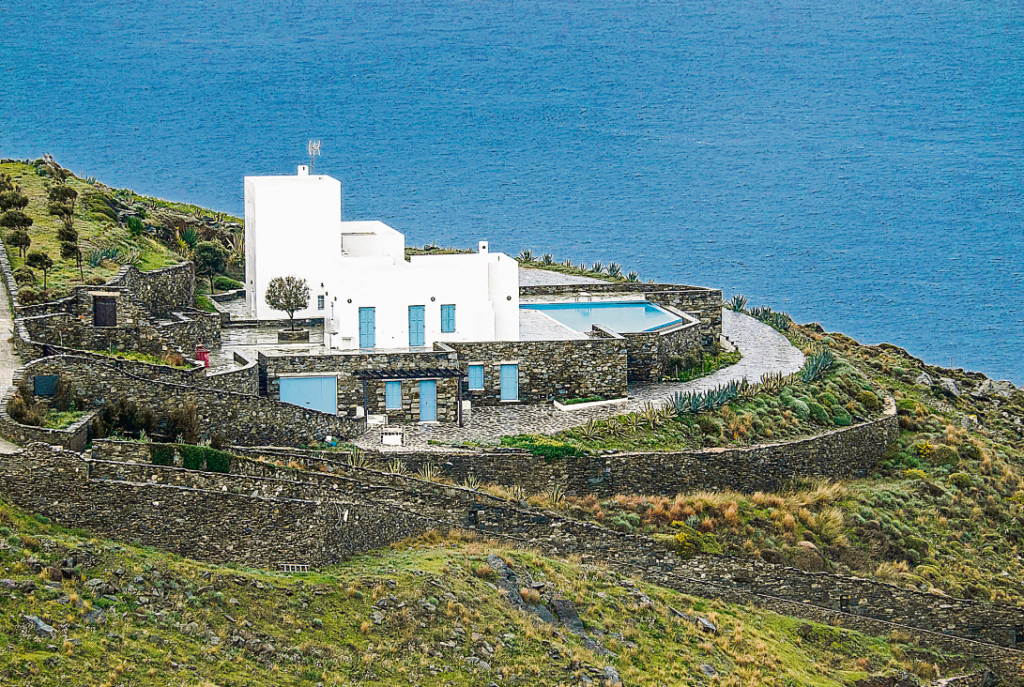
(315, 393)
(367, 327)
(428, 400)
(416, 325)
(509, 382)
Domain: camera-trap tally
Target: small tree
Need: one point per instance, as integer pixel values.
(211, 258)
(41, 261)
(68, 238)
(63, 195)
(12, 200)
(19, 239)
(288, 294)
(15, 219)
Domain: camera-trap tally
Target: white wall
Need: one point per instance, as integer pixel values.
(292, 227)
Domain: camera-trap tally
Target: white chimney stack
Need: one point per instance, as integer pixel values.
(483, 247)
(303, 170)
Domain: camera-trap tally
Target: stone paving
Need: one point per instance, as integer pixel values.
(764, 350)
(539, 277)
(9, 362)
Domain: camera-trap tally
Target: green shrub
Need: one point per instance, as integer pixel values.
(227, 284)
(709, 426)
(540, 445)
(869, 401)
(906, 406)
(801, 409)
(818, 413)
(841, 417)
(161, 454)
(943, 455)
(218, 461)
(961, 480)
(192, 457)
(969, 451)
(828, 400)
(690, 542)
(915, 473)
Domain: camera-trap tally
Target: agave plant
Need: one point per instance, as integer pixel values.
(568, 262)
(128, 256)
(590, 431)
(472, 482)
(597, 268)
(650, 416)
(747, 391)
(817, 364)
(772, 382)
(428, 471)
(556, 494)
(525, 256)
(516, 492)
(633, 422)
(633, 276)
(396, 466)
(737, 303)
(357, 458)
(236, 248)
(699, 402)
(614, 269)
(547, 259)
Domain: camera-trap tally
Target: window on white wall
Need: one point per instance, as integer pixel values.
(447, 319)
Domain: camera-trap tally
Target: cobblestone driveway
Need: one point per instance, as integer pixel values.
(763, 348)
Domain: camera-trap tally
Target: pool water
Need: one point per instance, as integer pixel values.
(619, 316)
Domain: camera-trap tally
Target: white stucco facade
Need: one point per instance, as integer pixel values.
(293, 227)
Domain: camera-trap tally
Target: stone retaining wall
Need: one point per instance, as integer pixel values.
(163, 291)
(56, 486)
(240, 418)
(549, 369)
(243, 379)
(649, 352)
(74, 437)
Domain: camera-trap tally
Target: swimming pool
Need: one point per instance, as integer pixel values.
(619, 316)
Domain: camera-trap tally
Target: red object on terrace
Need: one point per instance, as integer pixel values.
(203, 355)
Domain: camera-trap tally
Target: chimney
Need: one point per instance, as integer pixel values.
(483, 247)
(303, 170)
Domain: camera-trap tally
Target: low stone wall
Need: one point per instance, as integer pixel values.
(215, 525)
(649, 352)
(190, 328)
(74, 437)
(704, 304)
(163, 291)
(223, 523)
(240, 418)
(244, 379)
(549, 369)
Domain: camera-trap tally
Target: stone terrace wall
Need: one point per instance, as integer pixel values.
(350, 389)
(736, 576)
(244, 379)
(549, 369)
(57, 486)
(171, 289)
(73, 437)
(214, 524)
(845, 452)
(649, 352)
(241, 418)
(705, 304)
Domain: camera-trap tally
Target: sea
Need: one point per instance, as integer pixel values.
(859, 164)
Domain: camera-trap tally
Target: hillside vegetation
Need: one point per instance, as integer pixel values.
(432, 611)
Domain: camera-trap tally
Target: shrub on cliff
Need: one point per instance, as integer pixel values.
(161, 454)
(841, 416)
(818, 413)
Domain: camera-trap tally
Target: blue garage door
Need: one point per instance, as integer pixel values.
(315, 393)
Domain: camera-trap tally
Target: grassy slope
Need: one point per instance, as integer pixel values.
(943, 512)
(44, 230)
(319, 628)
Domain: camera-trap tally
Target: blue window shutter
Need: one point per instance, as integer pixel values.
(476, 377)
(367, 328)
(416, 325)
(509, 382)
(393, 395)
(447, 318)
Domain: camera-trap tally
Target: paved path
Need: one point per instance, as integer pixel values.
(9, 362)
(763, 348)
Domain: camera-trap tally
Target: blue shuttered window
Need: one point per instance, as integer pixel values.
(393, 395)
(476, 377)
(417, 327)
(447, 318)
(367, 328)
(509, 382)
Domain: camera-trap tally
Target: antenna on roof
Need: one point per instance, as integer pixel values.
(314, 150)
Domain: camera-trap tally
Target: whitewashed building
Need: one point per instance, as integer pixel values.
(369, 295)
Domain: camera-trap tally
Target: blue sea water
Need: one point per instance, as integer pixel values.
(855, 163)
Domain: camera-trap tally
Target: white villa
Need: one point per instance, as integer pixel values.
(369, 295)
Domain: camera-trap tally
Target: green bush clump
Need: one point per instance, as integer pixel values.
(226, 284)
(818, 413)
(161, 454)
(827, 399)
(969, 451)
(709, 426)
(690, 542)
(540, 445)
(841, 416)
(218, 461)
(192, 457)
(801, 409)
(906, 406)
(943, 455)
(869, 401)
(961, 480)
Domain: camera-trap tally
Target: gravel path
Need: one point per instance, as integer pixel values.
(763, 348)
(9, 362)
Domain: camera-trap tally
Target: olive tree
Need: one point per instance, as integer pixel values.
(41, 261)
(288, 294)
(211, 258)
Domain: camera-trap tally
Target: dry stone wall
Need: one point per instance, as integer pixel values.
(163, 291)
(649, 352)
(240, 418)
